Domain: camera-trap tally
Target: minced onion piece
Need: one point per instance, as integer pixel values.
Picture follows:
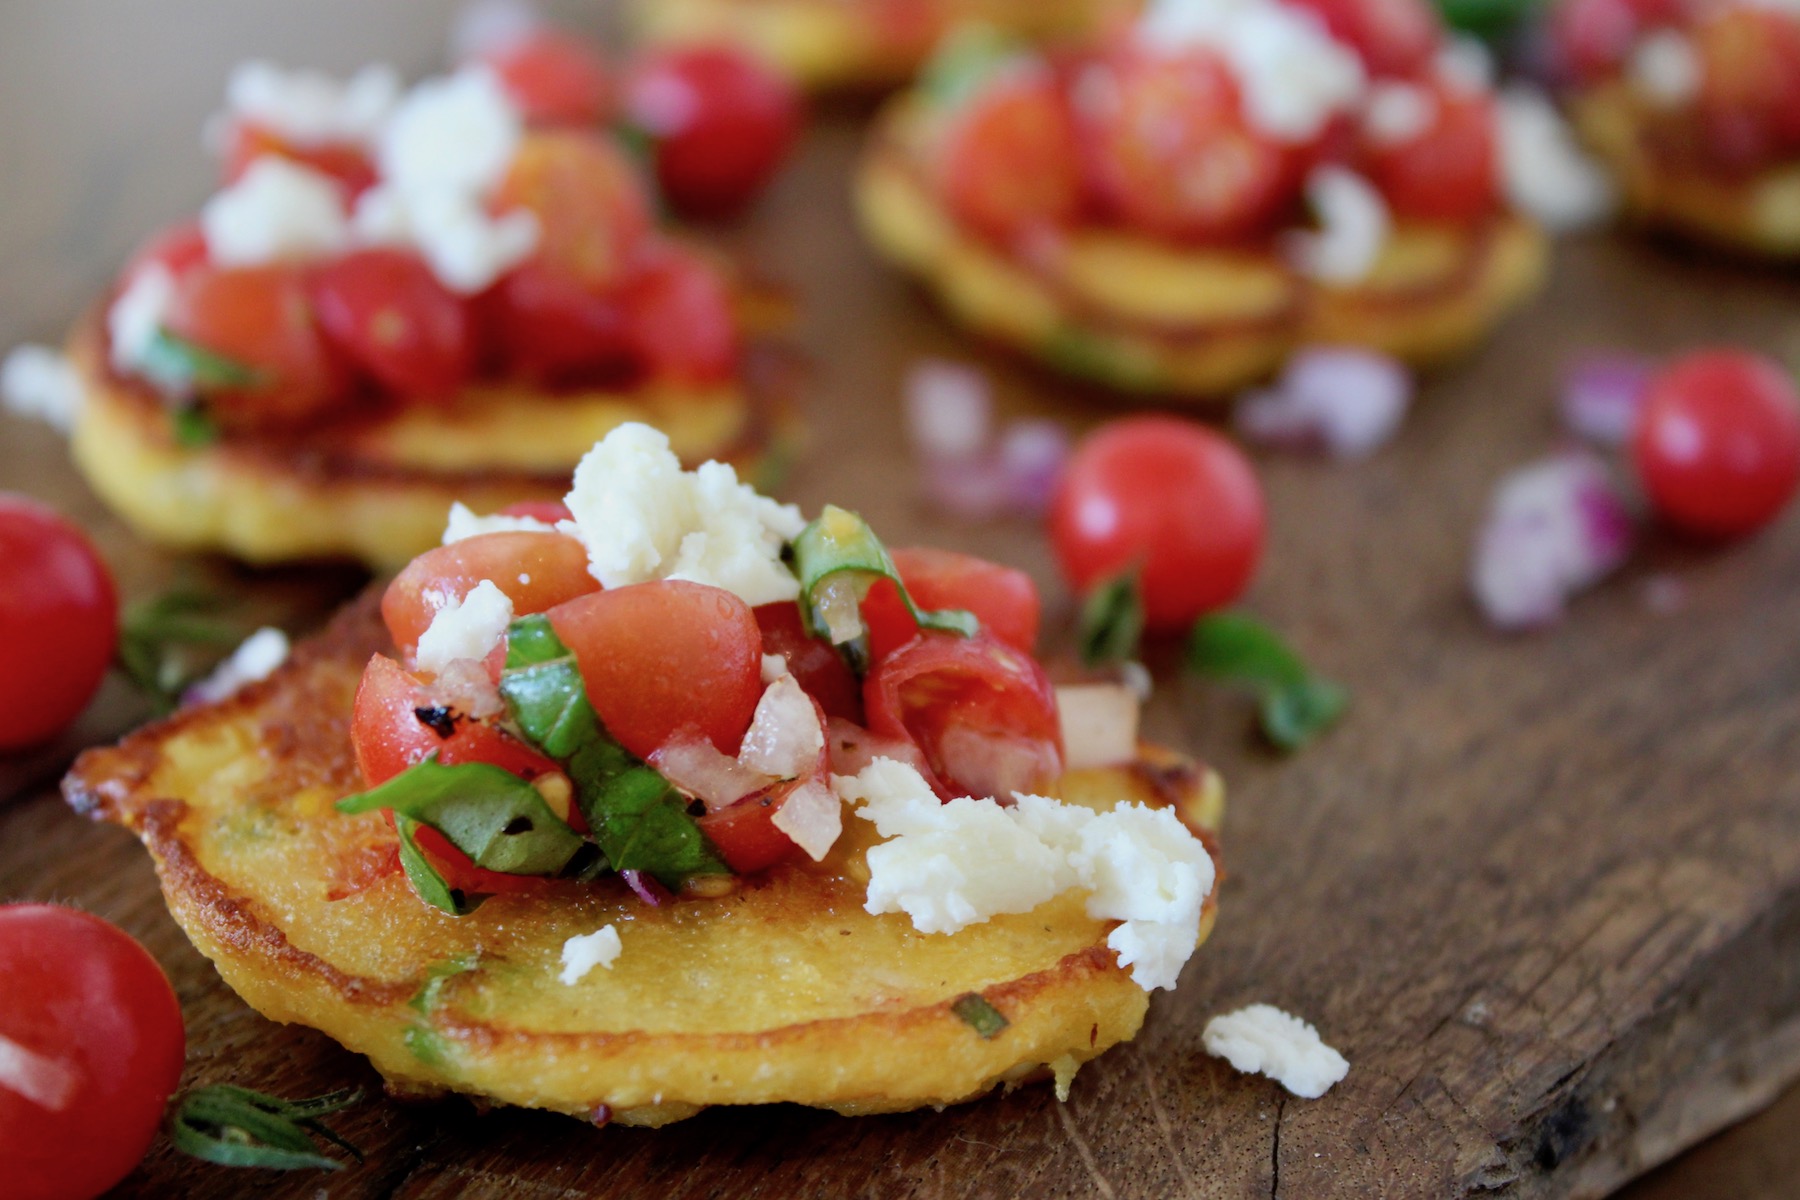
(696, 766)
(465, 685)
(971, 489)
(1099, 724)
(647, 888)
(785, 736)
(1346, 401)
(1602, 395)
(812, 816)
(852, 748)
(1552, 529)
(949, 410)
(1032, 456)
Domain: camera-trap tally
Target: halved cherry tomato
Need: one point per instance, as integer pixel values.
(1009, 161)
(665, 656)
(389, 736)
(259, 318)
(345, 162)
(682, 323)
(1172, 154)
(554, 330)
(58, 621)
(588, 199)
(388, 312)
(178, 249)
(722, 123)
(556, 78)
(1750, 84)
(1448, 171)
(91, 1048)
(745, 834)
(537, 571)
(1393, 37)
(813, 661)
(983, 713)
(1004, 599)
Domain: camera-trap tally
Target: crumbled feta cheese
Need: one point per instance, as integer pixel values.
(465, 246)
(463, 523)
(1665, 69)
(948, 866)
(1547, 175)
(1353, 227)
(812, 817)
(585, 951)
(256, 658)
(1262, 1039)
(454, 134)
(642, 518)
(1398, 112)
(466, 628)
(309, 108)
(134, 318)
(277, 209)
(40, 383)
(1294, 76)
(774, 666)
(1466, 64)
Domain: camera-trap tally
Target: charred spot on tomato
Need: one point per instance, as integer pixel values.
(437, 718)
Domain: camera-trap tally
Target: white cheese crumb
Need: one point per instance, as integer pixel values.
(585, 951)
(463, 523)
(134, 318)
(1294, 76)
(256, 658)
(1547, 175)
(453, 134)
(40, 383)
(1262, 1039)
(276, 210)
(465, 246)
(1354, 224)
(642, 518)
(309, 108)
(1665, 69)
(948, 866)
(1466, 64)
(469, 628)
(1398, 112)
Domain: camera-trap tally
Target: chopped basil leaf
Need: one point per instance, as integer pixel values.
(237, 1127)
(159, 637)
(1112, 621)
(840, 543)
(979, 1015)
(1486, 18)
(182, 368)
(426, 998)
(966, 60)
(432, 888)
(1295, 705)
(193, 428)
(496, 818)
(640, 821)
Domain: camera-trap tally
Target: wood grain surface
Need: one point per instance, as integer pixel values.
(1543, 892)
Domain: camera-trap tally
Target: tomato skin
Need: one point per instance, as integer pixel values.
(85, 996)
(1009, 161)
(722, 123)
(683, 327)
(345, 162)
(555, 565)
(553, 330)
(1392, 37)
(666, 656)
(388, 736)
(983, 713)
(555, 78)
(261, 318)
(1449, 171)
(813, 661)
(1003, 599)
(1169, 498)
(588, 199)
(1718, 443)
(745, 834)
(59, 621)
(388, 313)
(547, 511)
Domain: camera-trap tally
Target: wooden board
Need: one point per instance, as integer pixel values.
(1544, 892)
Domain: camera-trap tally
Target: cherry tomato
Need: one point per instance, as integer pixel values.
(745, 834)
(662, 657)
(345, 162)
(722, 124)
(1448, 171)
(59, 622)
(389, 736)
(1009, 161)
(553, 330)
(1169, 498)
(261, 319)
(178, 249)
(982, 712)
(1004, 599)
(537, 571)
(461, 874)
(1750, 85)
(813, 661)
(1718, 443)
(1593, 37)
(1393, 37)
(389, 314)
(93, 1046)
(555, 78)
(1172, 154)
(682, 323)
(588, 199)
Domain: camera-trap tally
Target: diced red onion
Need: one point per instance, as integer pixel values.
(1602, 395)
(1099, 724)
(787, 735)
(1033, 454)
(1345, 401)
(974, 489)
(812, 816)
(647, 888)
(488, 25)
(949, 410)
(852, 748)
(695, 765)
(465, 685)
(1553, 528)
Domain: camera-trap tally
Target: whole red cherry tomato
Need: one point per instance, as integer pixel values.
(555, 78)
(388, 312)
(722, 124)
(1718, 443)
(91, 1047)
(683, 326)
(1169, 499)
(1447, 171)
(59, 621)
